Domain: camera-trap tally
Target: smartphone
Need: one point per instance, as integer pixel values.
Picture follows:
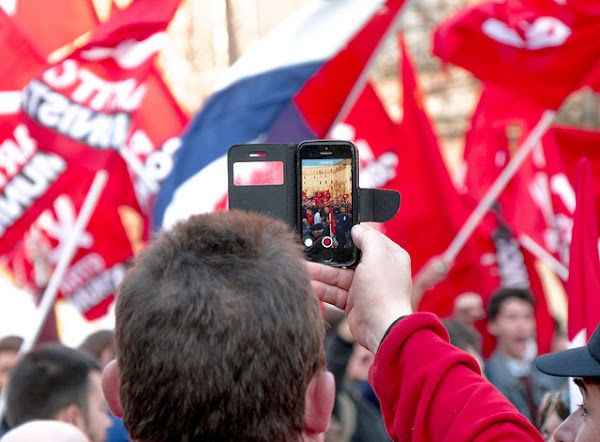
(327, 206)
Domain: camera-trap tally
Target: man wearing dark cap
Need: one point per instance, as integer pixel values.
(582, 364)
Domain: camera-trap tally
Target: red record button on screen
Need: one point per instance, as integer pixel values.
(327, 241)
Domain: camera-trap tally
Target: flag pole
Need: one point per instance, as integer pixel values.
(362, 79)
(539, 252)
(498, 186)
(49, 296)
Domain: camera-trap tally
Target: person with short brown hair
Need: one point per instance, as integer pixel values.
(9, 355)
(219, 336)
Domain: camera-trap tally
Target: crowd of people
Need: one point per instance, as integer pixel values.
(320, 221)
(221, 334)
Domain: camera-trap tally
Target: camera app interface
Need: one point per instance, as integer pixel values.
(327, 209)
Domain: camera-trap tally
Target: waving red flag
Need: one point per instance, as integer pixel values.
(583, 286)
(538, 200)
(540, 52)
(83, 115)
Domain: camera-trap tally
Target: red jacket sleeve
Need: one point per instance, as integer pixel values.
(430, 390)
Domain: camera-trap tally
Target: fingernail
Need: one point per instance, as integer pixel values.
(358, 228)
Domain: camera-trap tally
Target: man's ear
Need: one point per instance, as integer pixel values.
(71, 414)
(111, 389)
(319, 398)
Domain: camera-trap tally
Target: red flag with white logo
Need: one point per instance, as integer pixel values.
(543, 53)
(82, 118)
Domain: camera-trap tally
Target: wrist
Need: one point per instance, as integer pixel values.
(383, 326)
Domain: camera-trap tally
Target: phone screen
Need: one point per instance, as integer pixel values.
(327, 208)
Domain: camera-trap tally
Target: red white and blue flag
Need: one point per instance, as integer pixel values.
(289, 88)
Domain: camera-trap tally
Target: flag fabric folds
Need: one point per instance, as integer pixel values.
(268, 96)
(429, 197)
(583, 285)
(543, 50)
(97, 108)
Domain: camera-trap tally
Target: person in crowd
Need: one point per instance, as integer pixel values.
(45, 430)
(582, 364)
(343, 222)
(510, 368)
(100, 345)
(468, 308)
(553, 411)
(465, 337)
(359, 418)
(218, 336)
(9, 354)
(60, 383)
(430, 390)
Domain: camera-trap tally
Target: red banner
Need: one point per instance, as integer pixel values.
(543, 53)
(85, 113)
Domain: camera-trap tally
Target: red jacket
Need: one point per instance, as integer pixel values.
(431, 391)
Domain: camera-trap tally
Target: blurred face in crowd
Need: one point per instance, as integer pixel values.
(513, 328)
(8, 359)
(97, 421)
(359, 364)
(550, 425)
(583, 425)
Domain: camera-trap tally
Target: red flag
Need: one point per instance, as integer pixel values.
(572, 144)
(543, 53)
(583, 286)
(343, 71)
(536, 202)
(408, 159)
(52, 25)
(81, 113)
(20, 58)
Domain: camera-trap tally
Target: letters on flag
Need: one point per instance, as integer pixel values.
(263, 97)
(542, 53)
(90, 111)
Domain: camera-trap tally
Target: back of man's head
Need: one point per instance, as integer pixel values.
(218, 333)
(47, 380)
(499, 297)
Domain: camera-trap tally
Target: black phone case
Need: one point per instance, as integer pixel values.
(378, 205)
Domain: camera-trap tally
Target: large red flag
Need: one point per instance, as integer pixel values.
(541, 52)
(583, 286)
(82, 117)
(537, 201)
(432, 211)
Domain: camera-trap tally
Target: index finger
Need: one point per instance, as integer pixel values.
(333, 276)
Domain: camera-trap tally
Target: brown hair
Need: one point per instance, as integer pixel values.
(46, 380)
(11, 343)
(218, 332)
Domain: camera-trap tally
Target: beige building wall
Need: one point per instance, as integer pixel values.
(337, 179)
